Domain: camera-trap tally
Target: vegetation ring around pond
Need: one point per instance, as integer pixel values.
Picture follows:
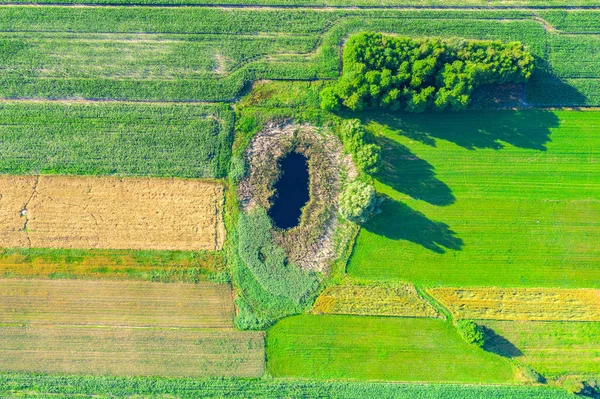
(309, 243)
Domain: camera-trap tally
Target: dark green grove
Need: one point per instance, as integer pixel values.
(400, 73)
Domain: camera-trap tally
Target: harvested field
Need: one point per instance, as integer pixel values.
(109, 212)
(521, 304)
(131, 351)
(124, 328)
(373, 300)
(122, 303)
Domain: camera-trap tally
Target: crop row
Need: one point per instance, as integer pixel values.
(115, 138)
(155, 387)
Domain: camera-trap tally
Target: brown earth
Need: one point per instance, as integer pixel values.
(110, 212)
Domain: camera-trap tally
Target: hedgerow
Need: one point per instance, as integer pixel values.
(357, 141)
(400, 73)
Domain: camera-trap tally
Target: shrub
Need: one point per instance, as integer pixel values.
(580, 386)
(400, 73)
(357, 202)
(573, 385)
(529, 375)
(237, 168)
(471, 332)
(365, 154)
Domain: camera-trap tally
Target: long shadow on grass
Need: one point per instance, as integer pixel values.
(398, 221)
(474, 129)
(407, 173)
(499, 345)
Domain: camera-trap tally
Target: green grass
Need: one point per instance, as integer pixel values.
(338, 3)
(115, 138)
(62, 387)
(212, 54)
(498, 198)
(551, 348)
(378, 348)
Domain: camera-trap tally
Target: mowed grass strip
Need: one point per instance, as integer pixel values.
(131, 351)
(486, 198)
(115, 303)
(374, 299)
(115, 138)
(110, 212)
(106, 264)
(551, 348)
(520, 303)
(378, 348)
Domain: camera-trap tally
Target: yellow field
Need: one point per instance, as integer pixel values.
(543, 304)
(124, 328)
(110, 212)
(374, 300)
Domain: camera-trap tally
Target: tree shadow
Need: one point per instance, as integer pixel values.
(473, 129)
(499, 345)
(398, 221)
(407, 173)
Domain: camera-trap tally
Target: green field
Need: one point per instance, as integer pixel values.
(378, 348)
(337, 3)
(499, 198)
(32, 386)
(212, 54)
(103, 138)
(551, 348)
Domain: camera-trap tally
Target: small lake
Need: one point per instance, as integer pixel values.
(291, 191)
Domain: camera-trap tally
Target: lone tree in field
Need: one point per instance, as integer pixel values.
(400, 73)
(471, 332)
(357, 202)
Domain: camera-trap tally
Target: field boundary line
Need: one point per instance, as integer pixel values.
(305, 7)
(437, 305)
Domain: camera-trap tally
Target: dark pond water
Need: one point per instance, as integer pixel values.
(291, 191)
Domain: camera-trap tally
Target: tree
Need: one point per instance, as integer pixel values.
(471, 332)
(357, 202)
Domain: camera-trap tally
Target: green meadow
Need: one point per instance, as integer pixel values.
(378, 348)
(498, 198)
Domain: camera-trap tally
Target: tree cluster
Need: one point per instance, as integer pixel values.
(400, 73)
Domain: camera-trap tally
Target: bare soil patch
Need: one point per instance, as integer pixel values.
(110, 212)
